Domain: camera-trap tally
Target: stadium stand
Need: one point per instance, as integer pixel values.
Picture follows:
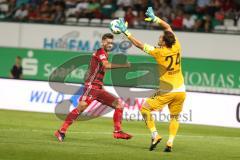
(220, 16)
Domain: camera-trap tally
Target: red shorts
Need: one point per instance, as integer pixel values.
(102, 96)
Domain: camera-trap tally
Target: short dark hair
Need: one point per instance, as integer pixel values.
(107, 36)
(169, 39)
(18, 57)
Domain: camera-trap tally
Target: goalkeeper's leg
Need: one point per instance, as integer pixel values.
(173, 129)
(146, 113)
(175, 108)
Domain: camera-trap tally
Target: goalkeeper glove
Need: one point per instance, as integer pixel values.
(122, 26)
(151, 16)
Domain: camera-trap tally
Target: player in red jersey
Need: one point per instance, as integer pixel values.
(94, 90)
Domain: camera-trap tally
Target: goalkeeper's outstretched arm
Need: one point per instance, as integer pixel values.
(143, 46)
(123, 27)
(152, 18)
(136, 42)
(164, 25)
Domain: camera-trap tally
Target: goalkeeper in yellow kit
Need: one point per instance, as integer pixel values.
(171, 91)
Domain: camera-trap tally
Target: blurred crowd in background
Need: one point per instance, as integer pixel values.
(187, 15)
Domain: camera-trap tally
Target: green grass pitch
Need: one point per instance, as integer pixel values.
(28, 136)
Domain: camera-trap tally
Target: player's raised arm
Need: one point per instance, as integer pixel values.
(123, 27)
(152, 18)
(143, 46)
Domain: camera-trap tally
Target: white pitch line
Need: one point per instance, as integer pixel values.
(109, 133)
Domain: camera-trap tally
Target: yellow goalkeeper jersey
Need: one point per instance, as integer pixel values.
(170, 70)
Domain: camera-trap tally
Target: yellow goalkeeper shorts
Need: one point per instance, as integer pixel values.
(174, 100)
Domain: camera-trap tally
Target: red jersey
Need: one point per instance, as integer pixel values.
(96, 70)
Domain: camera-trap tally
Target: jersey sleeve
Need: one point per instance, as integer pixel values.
(150, 50)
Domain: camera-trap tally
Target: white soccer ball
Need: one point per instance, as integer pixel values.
(113, 27)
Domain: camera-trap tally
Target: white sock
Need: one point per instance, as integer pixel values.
(154, 134)
(170, 141)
